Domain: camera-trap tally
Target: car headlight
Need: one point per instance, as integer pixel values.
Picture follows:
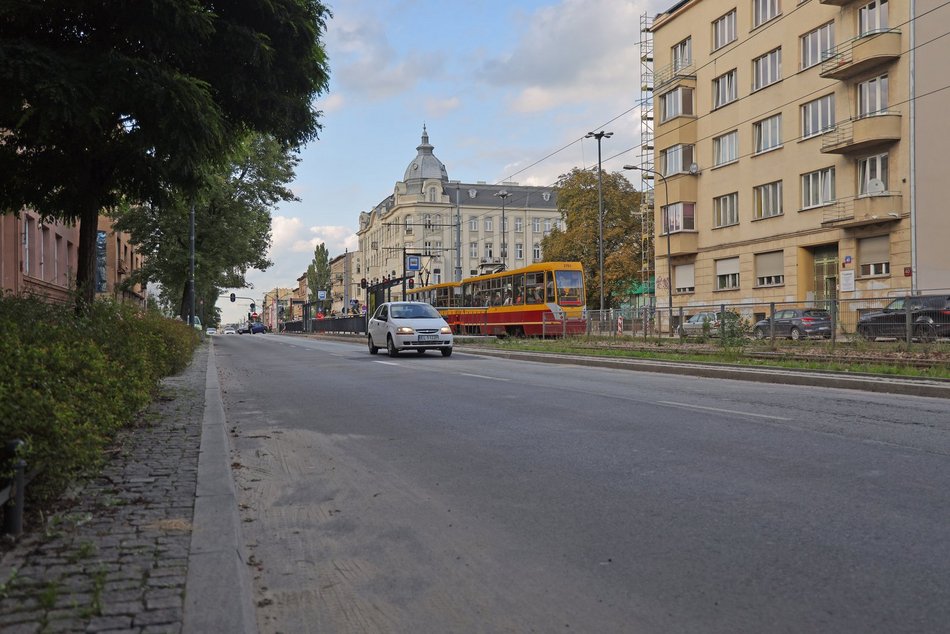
(445, 330)
(405, 330)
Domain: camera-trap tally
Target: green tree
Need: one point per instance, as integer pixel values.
(105, 102)
(579, 241)
(232, 225)
(318, 273)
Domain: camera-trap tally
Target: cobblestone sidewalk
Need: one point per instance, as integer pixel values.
(117, 559)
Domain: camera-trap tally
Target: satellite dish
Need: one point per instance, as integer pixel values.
(875, 186)
(693, 169)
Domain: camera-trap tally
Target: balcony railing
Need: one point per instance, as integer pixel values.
(671, 73)
(864, 210)
(861, 54)
(861, 134)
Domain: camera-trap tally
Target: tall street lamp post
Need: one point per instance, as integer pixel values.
(666, 227)
(503, 194)
(600, 212)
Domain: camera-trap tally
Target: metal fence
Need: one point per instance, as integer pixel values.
(921, 318)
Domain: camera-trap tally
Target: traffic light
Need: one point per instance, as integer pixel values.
(363, 283)
(412, 282)
(252, 307)
(233, 297)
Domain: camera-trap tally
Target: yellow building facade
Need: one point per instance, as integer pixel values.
(796, 146)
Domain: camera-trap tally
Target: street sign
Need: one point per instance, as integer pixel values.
(321, 295)
(413, 263)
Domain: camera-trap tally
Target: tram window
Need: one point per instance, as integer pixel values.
(517, 289)
(570, 288)
(534, 288)
(549, 289)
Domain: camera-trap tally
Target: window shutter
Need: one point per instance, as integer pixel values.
(769, 264)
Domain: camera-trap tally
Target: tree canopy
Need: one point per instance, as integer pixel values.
(125, 101)
(318, 273)
(578, 201)
(232, 225)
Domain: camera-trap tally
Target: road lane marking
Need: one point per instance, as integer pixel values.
(482, 376)
(723, 411)
(387, 362)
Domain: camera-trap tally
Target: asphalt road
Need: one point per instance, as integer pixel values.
(471, 494)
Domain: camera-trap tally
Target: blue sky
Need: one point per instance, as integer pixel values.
(507, 91)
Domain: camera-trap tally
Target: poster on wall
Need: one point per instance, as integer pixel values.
(847, 281)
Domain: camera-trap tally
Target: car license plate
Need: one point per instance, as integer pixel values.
(428, 337)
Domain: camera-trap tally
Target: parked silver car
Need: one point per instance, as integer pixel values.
(401, 326)
(708, 324)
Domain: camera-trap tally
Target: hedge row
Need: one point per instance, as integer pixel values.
(68, 382)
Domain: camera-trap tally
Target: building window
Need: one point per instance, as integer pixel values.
(676, 103)
(519, 225)
(767, 133)
(726, 148)
(682, 54)
(489, 223)
(727, 274)
(763, 11)
(489, 250)
(408, 224)
(767, 200)
(872, 175)
(677, 159)
(679, 217)
(547, 225)
(874, 256)
(437, 276)
(872, 96)
(724, 89)
(872, 17)
(818, 116)
(818, 188)
(685, 278)
(769, 269)
(767, 69)
(519, 251)
(473, 223)
(504, 224)
(427, 222)
(432, 195)
(427, 248)
(817, 45)
(536, 225)
(726, 210)
(724, 30)
(473, 249)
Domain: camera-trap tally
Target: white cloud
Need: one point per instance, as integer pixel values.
(441, 107)
(569, 52)
(331, 103)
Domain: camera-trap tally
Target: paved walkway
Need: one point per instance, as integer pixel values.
(152, 544)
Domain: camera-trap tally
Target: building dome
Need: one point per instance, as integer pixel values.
(425, 165)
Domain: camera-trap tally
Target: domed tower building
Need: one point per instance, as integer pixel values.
(452, 229)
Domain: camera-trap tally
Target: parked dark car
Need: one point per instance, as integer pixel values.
(929, 318)
(796, 323)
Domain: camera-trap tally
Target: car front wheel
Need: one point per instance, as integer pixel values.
(391, 347)
(925, 333)
(446, 352)
(372, 349)
(758, 333)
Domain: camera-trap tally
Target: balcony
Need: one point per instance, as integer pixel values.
(667, 78)
(681, 185)
(835, 3)
(681, 243)
(860, 135)
(865, 210)
(861, 54)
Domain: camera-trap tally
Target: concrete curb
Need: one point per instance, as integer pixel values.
(218, 591)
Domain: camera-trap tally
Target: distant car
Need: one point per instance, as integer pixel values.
(415, 326)
(707, 324)
(796, 323)
(929, 318)
(229, 330)
(257, 327)
(211, 331)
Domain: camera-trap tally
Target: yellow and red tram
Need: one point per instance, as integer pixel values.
(543, 299)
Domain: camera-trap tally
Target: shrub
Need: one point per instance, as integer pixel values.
(68, 382)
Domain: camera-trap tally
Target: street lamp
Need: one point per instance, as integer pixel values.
(600, 212)
(503, 194)
(669, 250)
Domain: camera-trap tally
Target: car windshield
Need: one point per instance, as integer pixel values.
(413, 311)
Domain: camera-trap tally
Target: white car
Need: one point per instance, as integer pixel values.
(229, 331)
(401, 326)
(211, 331)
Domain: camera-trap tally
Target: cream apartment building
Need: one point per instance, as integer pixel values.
(457, 229)
(801, 148)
